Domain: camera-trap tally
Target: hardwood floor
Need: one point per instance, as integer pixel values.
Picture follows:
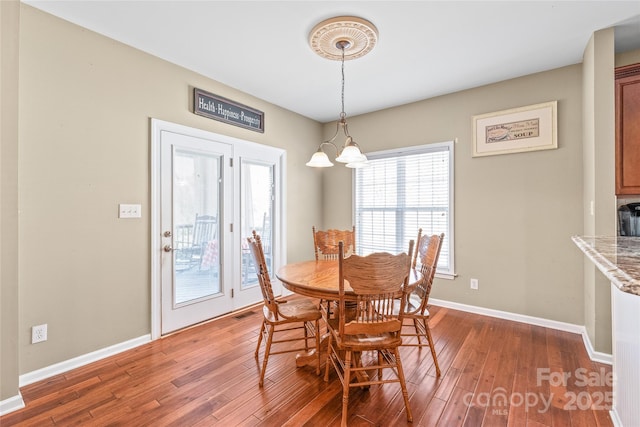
(494, 373)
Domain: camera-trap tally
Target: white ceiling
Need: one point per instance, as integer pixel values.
(425, 48)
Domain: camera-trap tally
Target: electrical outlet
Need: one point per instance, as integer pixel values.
(38, 333)
(474, 284)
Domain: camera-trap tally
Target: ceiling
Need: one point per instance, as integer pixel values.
(425, 48)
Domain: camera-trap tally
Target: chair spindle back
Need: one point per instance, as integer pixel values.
(377, 280)
(255, 246)
(325, 242)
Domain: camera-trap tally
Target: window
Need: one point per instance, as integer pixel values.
(403, 190)
(257, 192)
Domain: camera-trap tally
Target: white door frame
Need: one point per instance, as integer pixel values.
(279, 248)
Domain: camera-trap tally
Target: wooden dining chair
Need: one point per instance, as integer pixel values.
(282, 317)
(325, 246)
(365, 321)
(416, 309)
(420, 249)
(325, 242)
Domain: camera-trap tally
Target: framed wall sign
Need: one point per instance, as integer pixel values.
(516, 130)
(218, 108)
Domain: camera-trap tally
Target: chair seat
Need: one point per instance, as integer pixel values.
(412, 307)
(425, 315)
(362, 342)
(303, 310)
(413, 303)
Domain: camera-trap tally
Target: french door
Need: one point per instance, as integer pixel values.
(210, 193)
(257, 178)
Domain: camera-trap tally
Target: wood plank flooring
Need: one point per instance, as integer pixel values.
(494, 373)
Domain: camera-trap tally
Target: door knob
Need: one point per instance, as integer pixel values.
(167, 248)
(167, 233)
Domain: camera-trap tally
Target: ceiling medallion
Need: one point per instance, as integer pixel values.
(360, 34)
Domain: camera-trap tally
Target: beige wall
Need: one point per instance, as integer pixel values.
(628, 58)
(85, 108)
(514, 214)
(598, 132)
(9, 357)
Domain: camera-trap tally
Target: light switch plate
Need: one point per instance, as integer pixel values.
(129, 211)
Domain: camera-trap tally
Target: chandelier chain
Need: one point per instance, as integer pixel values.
(343, 113)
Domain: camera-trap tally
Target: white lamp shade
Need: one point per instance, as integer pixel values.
(319, 160)
(351, 154)
(359, 164)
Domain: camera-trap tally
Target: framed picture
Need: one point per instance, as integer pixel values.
(517, 130)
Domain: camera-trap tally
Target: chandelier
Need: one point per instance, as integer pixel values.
(339, 39)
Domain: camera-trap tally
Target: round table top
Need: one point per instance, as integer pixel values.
(318, 279)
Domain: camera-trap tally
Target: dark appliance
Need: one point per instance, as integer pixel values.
(629, 219)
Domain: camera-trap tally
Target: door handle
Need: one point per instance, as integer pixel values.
(167, 248)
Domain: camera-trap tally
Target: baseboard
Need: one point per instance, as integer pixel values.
(615, 419)
(76, 362)
(537, 321)
(596, 356)
(14, 403)
(11, 404)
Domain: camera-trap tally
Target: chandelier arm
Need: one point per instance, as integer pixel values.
(335, 135)
(345, 128)
(328, 143)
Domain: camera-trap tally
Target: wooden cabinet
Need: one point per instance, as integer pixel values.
(628, 130)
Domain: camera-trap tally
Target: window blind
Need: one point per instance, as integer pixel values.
(400, 192)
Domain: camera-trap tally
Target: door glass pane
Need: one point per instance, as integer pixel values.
(196, 209)
(256, 214)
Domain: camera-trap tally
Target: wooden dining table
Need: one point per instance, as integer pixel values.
(316, 278)
(319, 279)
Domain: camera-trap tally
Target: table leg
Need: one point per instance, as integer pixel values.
(309, 358)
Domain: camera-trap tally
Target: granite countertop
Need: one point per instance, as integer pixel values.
(617, 257)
